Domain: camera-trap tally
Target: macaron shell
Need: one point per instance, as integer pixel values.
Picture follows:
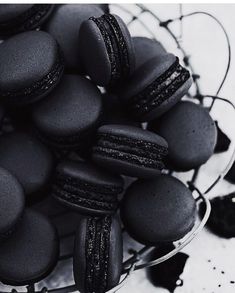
(97, 65)
(31, 252)
(145, 75)
(89, 173)
(22, 64)
(146, 49)
(132, 132)
(191, 135)
(11, 11)
(159, 210)
(64, 26)
(74, 108)
(125, 168)
(11, 202)
(27, 159)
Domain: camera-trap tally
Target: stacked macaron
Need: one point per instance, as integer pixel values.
(71, 147)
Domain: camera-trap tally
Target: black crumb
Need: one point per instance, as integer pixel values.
(214, 268)
(232, 282)
(219, 285)
(222, 217)
(167, 274)
(222, 272)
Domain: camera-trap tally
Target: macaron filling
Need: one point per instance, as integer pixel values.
(97, 254)
(85, 194)
(134, 151)
(39, 88)
(26, 21)
(159, 90)
(116, 46)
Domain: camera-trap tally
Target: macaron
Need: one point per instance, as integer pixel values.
(31, 66)
(11, 203)
(64, 26)
(28, 160)
(106, 49)
(146, 49)
(15, 18)
(70, 115)
(97, 262)
(158, 210)
(130, 150)
(191, 135)
(86, 188)
(31, 252)
(155, 87)
(104, 7)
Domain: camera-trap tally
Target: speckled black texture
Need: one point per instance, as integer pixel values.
(29, 19)
(28, 73)
(11, 203)
(134, 151)
(107, 50)
(191, 135)
(127, 153)
(158, 210)
(115, 45)
(97, 254)
(155, 87)
(84, 187)
(33, 247)
(159, 90)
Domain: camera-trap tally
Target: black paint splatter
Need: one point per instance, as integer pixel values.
(222, 218)
(167, 274)
(223, 141)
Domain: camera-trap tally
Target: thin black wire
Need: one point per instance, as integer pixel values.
(227, 41)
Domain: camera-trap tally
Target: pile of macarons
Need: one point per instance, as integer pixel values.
(84, 107)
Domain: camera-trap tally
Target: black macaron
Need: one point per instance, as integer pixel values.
(31, 66)
(86, 188)
(106, 49)
(15, 18)
(191, 135)
(158, 210)
(31, 252)
(97, 261)
(64, 26)
(11, 203)
(146, 49)
(130, 150)
(28, 160)
(68, 117)
(155, 87)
